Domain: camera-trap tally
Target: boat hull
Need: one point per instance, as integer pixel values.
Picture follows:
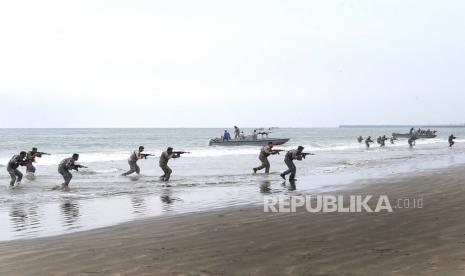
(238, 142)
(408, 135)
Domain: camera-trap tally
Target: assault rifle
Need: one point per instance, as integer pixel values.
(276, 151)
(32, 158)
(304, 154)
(180, 152)
(145, 155)
(76, 167)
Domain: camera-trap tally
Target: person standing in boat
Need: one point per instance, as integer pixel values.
(451, 140)
(254, 135)
(237, 132)
(263, 157)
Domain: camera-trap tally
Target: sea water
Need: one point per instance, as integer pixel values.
(209, 177)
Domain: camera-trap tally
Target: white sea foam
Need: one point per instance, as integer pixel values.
(55, 159)
(199, 152)
(222, 176)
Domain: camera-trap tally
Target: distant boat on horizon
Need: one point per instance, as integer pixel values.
(413, 125)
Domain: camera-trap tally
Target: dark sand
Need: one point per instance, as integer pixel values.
(246, 241)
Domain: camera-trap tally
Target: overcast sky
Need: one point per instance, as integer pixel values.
(221, 63)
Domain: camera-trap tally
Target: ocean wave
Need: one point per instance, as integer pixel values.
(201, 152)
(55, 159)
(87, 172)
(111, 170)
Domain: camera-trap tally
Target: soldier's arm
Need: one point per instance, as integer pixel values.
(297, 156)
(70, 165)
(19, 161)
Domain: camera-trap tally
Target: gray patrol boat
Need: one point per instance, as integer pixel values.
(261, 140)
(419, 134)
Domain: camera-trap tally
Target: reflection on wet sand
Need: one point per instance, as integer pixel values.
(138, 205)
(265, 187)
(71, 215)
(18, 217)
(292, 186)
(24, 217)
(168, 200)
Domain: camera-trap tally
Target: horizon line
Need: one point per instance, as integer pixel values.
(252, 127)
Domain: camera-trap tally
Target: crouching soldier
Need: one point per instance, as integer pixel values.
(292, 155)
(263, 157)
(64, 169)
(12, 168)
(164, 158)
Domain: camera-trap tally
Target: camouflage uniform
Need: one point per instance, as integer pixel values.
(263, 157)
(289, 160)
(164, 158)
(132, 161)
(64, 169)
(12, 169)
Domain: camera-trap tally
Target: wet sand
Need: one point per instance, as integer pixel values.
(246, 241)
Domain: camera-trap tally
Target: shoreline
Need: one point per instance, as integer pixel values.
(71, 209)
(245, 240)
(211, 177)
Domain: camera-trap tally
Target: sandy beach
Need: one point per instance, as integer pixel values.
(247, 241)
(152, 138)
